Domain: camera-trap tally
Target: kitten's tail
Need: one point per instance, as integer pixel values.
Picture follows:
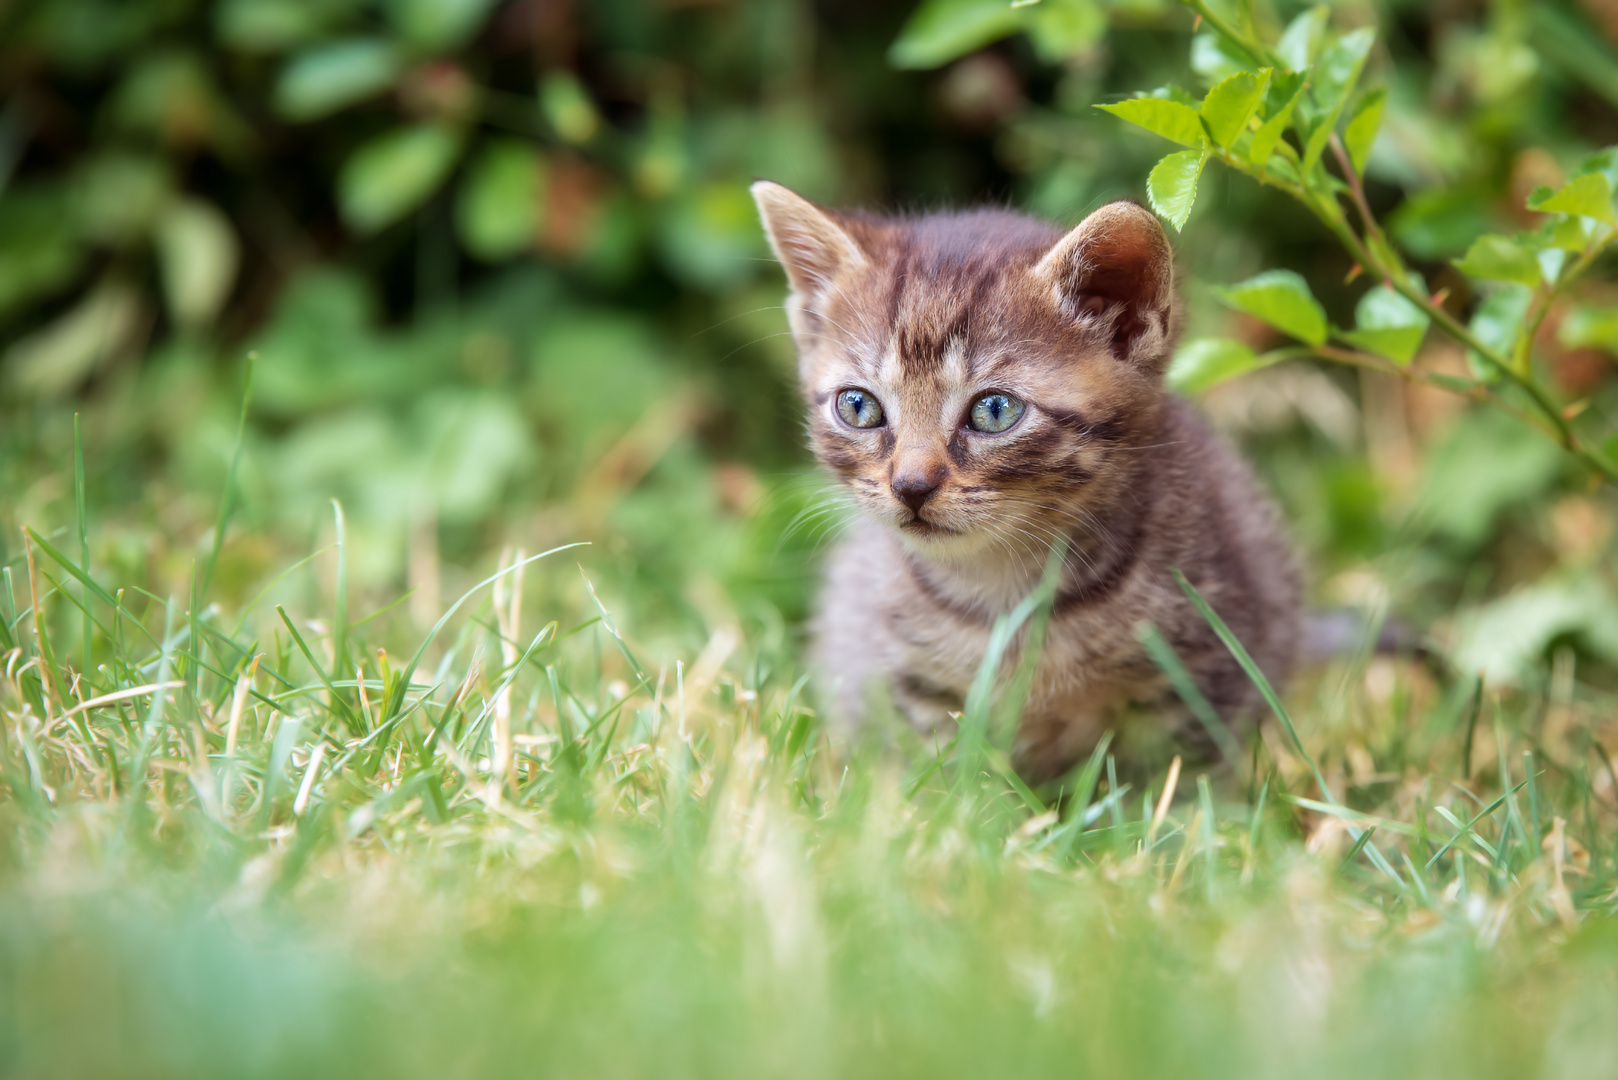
(1339, 632)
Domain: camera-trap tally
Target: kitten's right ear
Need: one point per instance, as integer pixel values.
(1117, 263)
(808, 241)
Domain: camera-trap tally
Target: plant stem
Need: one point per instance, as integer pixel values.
(1250, 45)
(1357, 192)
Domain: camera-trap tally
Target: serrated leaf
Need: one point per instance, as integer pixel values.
(1172, 186)
(1301, 40)
(1334, 78)
(1205, 362)
(1360, 132)
(1604, 162)
(1268, 136)
(1282, 299)
(1499, 258)
(1387, 324)
(1176, 92)
(943, 30)
(330, 77)
(498, 207)
(1567, 233)
(392, 174)
(1226, 109)
(1170, 119)
(1588, 196)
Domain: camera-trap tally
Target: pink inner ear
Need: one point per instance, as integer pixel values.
(1122, 263)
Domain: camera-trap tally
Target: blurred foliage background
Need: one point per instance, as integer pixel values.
(505, 286)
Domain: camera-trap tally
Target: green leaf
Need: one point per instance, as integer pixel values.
(1228, 105)
(1499, 258)
(1387, 324)
(1567, 233)
(40, 250)
(498, 208)
(55, 358)
(1604, 162)
(1061, 28)
(943, 30)
(1205, 362)
(1176, 92)
(1486, 464)
(1172, 186)
(1282, 299)
(1506, 639)
(392, 174)
(1496, 323)
(330, 77)
(1588, 196)
(1269, 134)
(568, 107)
(1301, 41)
(1441, 222)
(1170, 119)
(1216, 57)
(1334, 79)
(1360, 132)
(197, 254)
(1586, 327)
(437, 24)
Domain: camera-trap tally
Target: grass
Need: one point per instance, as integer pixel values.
(299, 839)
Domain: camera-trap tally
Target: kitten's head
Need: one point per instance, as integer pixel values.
(975, 380)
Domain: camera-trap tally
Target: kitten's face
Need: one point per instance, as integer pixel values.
(973, 380)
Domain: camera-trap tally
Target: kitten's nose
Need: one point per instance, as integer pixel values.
(915, 488)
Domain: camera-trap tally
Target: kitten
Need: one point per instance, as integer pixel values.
(985, 387)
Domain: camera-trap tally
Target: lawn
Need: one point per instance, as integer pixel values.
(407, 538)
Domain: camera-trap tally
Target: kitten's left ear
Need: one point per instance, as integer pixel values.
(812, 246)
(1117, 261)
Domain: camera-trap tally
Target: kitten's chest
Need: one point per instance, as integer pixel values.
(943, 649)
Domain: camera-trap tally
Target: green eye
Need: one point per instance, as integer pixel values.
(859, 409)
(994, 413)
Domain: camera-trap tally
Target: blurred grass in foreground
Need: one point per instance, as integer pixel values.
(272, 843)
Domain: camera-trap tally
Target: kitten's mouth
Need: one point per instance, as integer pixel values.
(920, 526)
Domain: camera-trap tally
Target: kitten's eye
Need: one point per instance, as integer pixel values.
(994, 413)
(859, 409)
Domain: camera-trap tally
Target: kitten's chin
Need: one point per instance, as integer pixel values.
(940, 541)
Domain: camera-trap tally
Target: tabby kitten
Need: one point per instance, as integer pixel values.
(985, 387)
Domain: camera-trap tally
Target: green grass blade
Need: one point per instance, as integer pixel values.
(227, 498)
(353, 722)
(1466, 829)
(397, 697)
(1263, 684)
(339, 631)
(1168, 662)
(606, 620)
(81, 508)
(72, 568)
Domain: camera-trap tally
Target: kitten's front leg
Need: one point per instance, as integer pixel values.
(1048, 744)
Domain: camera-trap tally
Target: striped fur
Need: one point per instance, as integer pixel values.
(928, 314)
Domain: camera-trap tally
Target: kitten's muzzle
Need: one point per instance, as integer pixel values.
(914, 489)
